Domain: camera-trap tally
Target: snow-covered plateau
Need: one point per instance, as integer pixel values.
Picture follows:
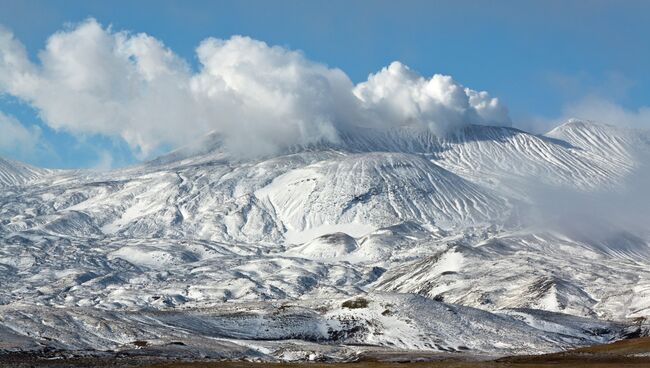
(490, 241)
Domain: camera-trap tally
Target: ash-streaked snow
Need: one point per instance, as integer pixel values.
(389, 238)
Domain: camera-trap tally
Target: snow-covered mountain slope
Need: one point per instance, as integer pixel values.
(398, 211)
(336, 328)
(609, 143)
(378, 189)
(498, 157)
(13, 173)
(503, 158)
(528, 270)
(257, 201)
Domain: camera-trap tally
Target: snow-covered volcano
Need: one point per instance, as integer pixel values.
(394, 238)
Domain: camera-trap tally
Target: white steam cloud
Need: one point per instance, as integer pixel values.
(396, 95)
(93, 80)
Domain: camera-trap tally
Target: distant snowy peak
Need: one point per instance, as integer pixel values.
(605, 140)
(13, 173)
(511, 159)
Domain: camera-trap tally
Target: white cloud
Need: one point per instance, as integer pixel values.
(398, 96)
(251, 90)
(16, 72)
(16, 138)
(93, 80)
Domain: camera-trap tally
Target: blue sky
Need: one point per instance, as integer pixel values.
(538, 57)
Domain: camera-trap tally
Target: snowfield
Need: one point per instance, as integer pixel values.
(385, 240)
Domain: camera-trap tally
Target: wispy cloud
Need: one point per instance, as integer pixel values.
(17, 139)
(605, 111)
(587, 97)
